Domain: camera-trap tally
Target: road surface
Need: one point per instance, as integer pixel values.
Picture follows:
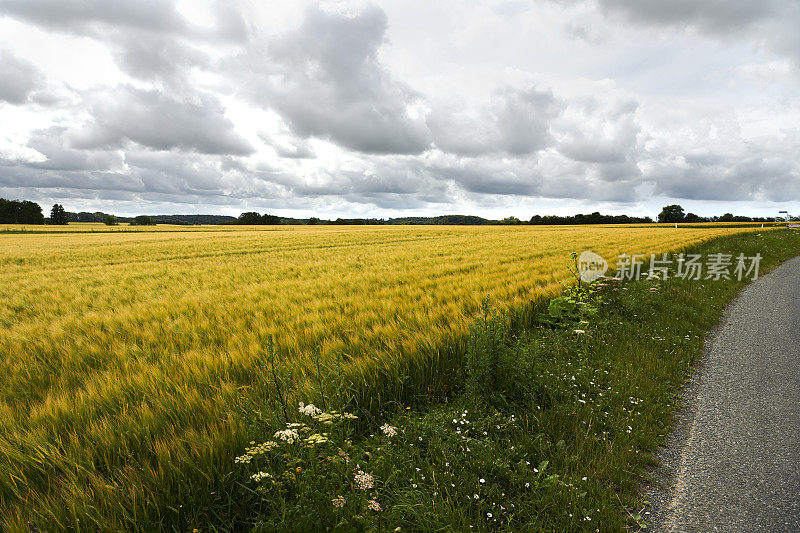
(735, 450)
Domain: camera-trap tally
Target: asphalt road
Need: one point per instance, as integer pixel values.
(734, 456)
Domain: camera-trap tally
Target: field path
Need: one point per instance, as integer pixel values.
(735, 452)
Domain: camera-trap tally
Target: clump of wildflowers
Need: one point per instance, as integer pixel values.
(364, 481)
(260, 476)
(389, 431)
(329, 418)
(338, 502)
(373, 505)
(288, 435)
(309, 410)
(316, 438)
(261, 449)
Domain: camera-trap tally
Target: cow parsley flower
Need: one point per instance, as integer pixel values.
(364, 481)
(389, 431)
(309, 410)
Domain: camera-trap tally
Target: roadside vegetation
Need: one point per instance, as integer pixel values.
(551, 427)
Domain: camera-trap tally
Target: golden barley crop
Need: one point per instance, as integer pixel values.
(122, 353)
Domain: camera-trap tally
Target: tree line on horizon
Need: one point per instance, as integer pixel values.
(27, 212)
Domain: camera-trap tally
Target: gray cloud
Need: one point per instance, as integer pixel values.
(95, 17)
(149, 38)
(156, 57)
(772, 23)
(326, 81)
(53, 144)
(289, 146)
(155, 120)
(715, 15)
(592, 132)
(18, 78)
(516, 122)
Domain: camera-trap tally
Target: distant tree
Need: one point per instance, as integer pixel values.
(251, 218)
(313, 221)
(143, 220)
(691, 217)
(110, 220)
(20, 212)
(511, 221)
(727, 217)
(671, 213)
(58, 216)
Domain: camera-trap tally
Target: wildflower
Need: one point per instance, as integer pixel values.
(374, 505)
(309, 410)
(261, 449)
(482, 480)
(364, 481)
(316, 438)
(338, 502)
(579, 331)
(389, 431)
(260, 476)
(289, 435)
(299, 469)
(244, 459)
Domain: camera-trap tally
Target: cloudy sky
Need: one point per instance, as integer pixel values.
(401, 107)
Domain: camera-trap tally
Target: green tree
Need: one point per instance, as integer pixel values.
(671, 213)
(251, 218)
(110, 220)
(143, 220)
(58, 216)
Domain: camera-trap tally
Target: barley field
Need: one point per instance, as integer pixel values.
(123, 354)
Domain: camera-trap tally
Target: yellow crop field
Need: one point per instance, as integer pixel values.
(123, 353)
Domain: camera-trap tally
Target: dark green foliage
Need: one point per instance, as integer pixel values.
(593, 218)
(143, 220)
(671, 213)
(251, 218)
(58, 217)
(110, 220)
(20, 212)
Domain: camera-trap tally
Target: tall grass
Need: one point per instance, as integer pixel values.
(124, 356)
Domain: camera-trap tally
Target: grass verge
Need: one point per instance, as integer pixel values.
(550, 429)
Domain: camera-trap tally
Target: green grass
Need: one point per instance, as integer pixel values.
(560, 441)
